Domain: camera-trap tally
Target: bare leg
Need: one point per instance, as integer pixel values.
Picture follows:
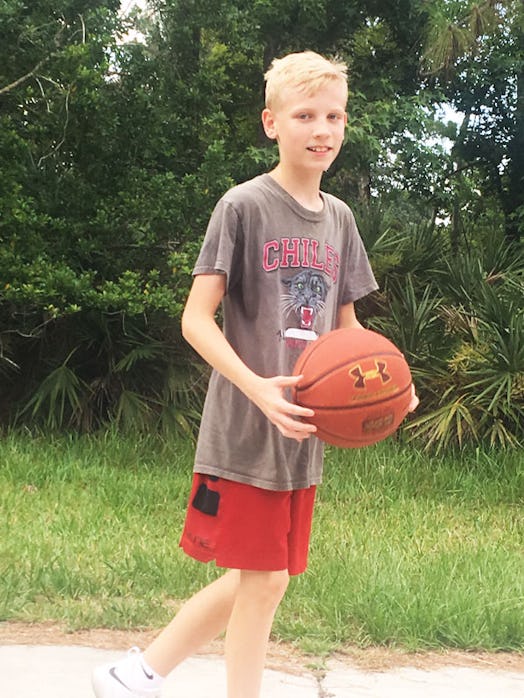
(257, 599)
(199, 621)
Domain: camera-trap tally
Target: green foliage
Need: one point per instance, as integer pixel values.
(459, 321)
(111, 369)
(114, 152)
(474, 53)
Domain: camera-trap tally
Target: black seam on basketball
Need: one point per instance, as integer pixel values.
(332, 369)
(383, 401)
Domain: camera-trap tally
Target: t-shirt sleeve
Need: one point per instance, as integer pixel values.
(221, 246)
(359, 279)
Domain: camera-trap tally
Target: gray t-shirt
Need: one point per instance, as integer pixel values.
(288, 271)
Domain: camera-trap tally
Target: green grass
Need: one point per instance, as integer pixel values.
(407, 550)
(417, 552)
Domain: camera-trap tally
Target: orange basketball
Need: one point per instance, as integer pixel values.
(357, 382)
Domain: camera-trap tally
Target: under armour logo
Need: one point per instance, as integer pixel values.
(362, 376)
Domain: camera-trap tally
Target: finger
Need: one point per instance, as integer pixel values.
(414, 403)
(294, 434)
(298, 410)
(293, 425)
(287, 381)
(292, 407)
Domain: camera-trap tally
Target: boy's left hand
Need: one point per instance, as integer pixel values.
(414, 400)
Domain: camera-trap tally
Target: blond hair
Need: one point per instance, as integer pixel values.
(306, 71)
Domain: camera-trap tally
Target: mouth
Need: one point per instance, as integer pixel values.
(306, 317)
(319, 149)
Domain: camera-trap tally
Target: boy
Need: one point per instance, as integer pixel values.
(287, 263)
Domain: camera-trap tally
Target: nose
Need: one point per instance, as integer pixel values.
(321, 129)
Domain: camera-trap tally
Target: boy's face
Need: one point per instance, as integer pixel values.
(309, 128)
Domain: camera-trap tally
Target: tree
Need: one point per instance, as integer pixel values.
(476, 56)
(86, 230)
(113, 154)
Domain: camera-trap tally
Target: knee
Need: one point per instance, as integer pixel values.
(266, 588)
(277, 584)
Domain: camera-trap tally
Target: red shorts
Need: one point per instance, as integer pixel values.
(245, 527)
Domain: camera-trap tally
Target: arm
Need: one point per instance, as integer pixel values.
(201, 330)
(347, 317)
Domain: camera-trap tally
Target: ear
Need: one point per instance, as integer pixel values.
(268, 122)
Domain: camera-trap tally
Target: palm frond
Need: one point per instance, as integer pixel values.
(58, 398)
(147, 351)
(132, 411)
(414, 322)
(451, 423)
(447, 41)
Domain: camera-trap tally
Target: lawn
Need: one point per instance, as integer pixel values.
(409, 550)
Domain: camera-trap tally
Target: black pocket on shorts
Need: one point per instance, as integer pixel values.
(206, 500)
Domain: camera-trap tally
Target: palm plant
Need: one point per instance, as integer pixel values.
(59, 397)
(482, 397)
(116, 373)
(413, 322)
(459, 320)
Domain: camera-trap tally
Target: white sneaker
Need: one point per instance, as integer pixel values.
(108, 684)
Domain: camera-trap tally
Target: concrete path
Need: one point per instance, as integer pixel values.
(32, 671)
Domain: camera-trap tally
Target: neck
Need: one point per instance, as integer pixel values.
(303, 188)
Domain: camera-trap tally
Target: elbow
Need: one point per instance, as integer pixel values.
(191, 326)
(186, 327)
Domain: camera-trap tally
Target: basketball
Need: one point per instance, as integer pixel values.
(357, 382)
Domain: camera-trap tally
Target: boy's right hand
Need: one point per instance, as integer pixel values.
(268, 395)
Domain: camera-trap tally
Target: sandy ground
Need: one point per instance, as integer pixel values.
(282, 657)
